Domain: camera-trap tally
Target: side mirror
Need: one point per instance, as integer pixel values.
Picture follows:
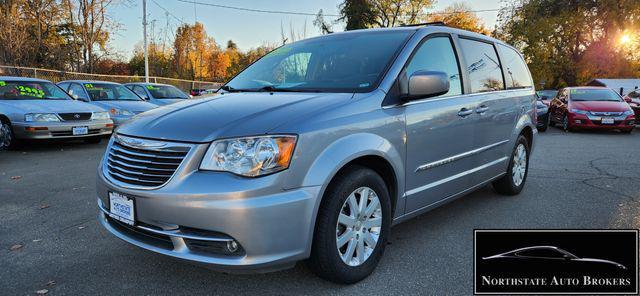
(627, 99)
(567, 257)
(423, 84)
(544, 98)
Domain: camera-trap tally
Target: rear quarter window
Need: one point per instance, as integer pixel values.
(516, 73)
(483, 65)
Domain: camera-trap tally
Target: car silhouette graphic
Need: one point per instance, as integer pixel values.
(549, 258)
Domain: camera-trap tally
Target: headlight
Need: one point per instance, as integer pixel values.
(33, 117)
(116, 112)
(250, 156)
(578, 111)
(628, 112)
(100, 116)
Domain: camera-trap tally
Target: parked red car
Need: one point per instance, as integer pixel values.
(591, 108)
(633, 99)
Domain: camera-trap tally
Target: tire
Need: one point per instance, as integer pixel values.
(509, 184)
(8, 139)
(627, 131)
(565, 123)
(552, 123)
(93, 140)
(544, 127)
(326, 258)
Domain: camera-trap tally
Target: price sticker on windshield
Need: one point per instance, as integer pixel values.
(30, 91)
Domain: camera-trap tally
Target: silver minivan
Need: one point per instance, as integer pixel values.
(317, 149)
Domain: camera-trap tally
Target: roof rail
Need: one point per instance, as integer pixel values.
(426, 24)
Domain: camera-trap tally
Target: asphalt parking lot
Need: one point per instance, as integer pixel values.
(50, 238)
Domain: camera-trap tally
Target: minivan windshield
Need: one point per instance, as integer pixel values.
(604, 94)
(166, 92)
(351, 62)
(110, 92)
(31, 90)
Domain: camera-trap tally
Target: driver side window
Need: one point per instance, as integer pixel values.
(437, 54)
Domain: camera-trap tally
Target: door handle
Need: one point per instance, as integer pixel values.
(482, 109)
(464, 112)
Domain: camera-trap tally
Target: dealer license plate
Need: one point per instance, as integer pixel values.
(121, 208)
(607, 120)
(80, 130)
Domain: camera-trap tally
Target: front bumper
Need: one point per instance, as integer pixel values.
(60, 130)
(579, 121)
(274, 227)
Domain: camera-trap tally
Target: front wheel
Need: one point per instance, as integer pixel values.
(513, 182)
(352, 227)
(565, 123)
(7, 138)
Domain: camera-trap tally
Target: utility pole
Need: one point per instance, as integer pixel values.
(146, 48)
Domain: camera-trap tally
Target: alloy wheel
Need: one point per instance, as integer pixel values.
(519, 165)
(358, 227)
(5, 136)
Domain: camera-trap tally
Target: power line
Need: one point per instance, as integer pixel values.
(168, 12)
(314, 14)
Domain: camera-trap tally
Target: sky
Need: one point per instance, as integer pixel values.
(247, 29)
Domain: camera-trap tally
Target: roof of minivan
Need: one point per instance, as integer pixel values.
(90, 81)
(14, 78)
(435, 28)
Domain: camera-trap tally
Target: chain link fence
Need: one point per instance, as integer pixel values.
(57, 76)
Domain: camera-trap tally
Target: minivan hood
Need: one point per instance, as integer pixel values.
(600, 106)
(134, 106)
(51, 106)
(228, 115)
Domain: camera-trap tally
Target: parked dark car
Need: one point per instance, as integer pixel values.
(197, 91)
(633, 99)
(156, 93)
(591, 108)
(547, 95)
(550, 258)
(542, 112)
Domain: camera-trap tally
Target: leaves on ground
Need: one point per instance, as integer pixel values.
(44, 206)
(51, 283)
(42, 292)
(16, 247)
(16, 177)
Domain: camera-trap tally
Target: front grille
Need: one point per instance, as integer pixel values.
(606, 113)
(155, 239)
(75, 116)
(143, 167)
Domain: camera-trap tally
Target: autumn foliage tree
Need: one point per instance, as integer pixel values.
(570, 42)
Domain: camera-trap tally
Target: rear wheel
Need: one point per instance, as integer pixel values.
(352, 227)
(513, 182)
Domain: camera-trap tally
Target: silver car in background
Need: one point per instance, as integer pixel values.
(318, 148)
(34, 109)
(120, 101)
(156, 93)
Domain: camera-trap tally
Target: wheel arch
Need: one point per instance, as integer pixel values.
(368, 150)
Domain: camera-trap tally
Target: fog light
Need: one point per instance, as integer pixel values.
(232, 246)
(577, 121)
